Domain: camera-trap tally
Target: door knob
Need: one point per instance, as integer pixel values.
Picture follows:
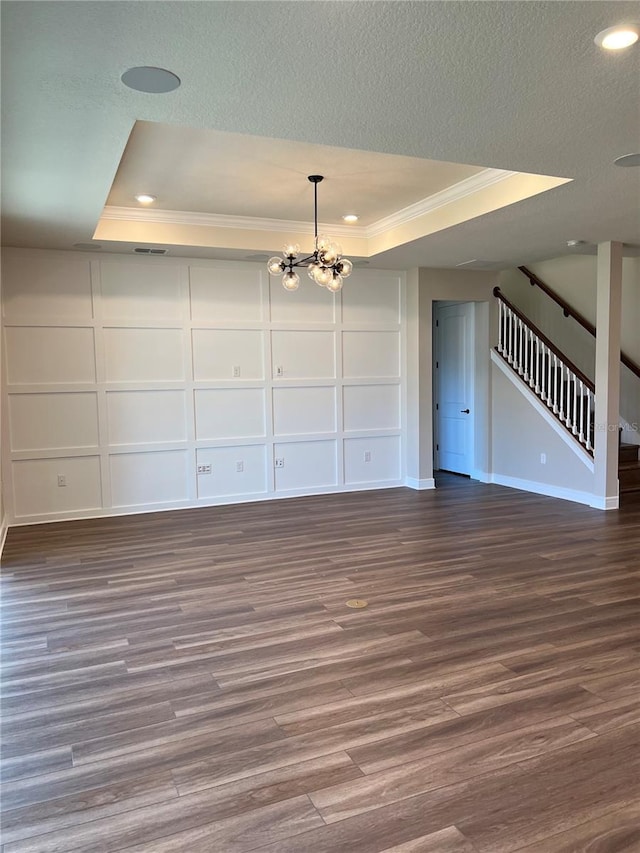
(464, 411)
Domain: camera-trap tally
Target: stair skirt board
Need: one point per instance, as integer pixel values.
(585, 498)
(551, 419)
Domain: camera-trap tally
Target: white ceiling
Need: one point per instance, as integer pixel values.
(517, 86)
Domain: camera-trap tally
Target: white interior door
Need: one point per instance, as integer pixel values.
(454, 387)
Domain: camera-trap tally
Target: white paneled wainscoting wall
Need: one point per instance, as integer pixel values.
(136, 384)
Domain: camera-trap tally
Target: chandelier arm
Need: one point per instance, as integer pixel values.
(305, 262)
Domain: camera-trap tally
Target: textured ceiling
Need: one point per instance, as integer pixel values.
(509, 85)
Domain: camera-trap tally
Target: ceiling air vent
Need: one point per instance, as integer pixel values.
(141, 250)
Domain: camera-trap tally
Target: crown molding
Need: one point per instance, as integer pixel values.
(470, 186)
(217, 220)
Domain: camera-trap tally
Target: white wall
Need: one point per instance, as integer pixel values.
(523, 437)
(124, 374)
(424, 287)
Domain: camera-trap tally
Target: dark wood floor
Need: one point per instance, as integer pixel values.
(193, 681)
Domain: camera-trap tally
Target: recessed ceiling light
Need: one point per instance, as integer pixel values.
(617, 38)
(155, 81)
(350, 217)
(573, 243)
(145, 198)
(627, 160)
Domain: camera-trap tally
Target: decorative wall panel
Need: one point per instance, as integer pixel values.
(53, 421)
(144, 479)
(369, 354)
(132, 292)
(226, 295)
(230, 413)
(303, 354)
(371, 407)
(304, 410)
(146, 383)
(36, 491)
(234, 471)
(144, 355)
(372, 460)
(146, 417)
(220, 354)
(43, 355)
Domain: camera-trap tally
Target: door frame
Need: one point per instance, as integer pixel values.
(471, 342)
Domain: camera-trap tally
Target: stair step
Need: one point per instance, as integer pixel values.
(629, 476)
(628, 452)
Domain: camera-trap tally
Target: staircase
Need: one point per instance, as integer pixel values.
(559, 384)
(628, 468)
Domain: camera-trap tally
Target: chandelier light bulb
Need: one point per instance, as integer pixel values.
(324, 276)
(329, 255)
(275, 266)
(344, 267)
(335, 283)
(291, 250)
(291, 280)
(323, 242)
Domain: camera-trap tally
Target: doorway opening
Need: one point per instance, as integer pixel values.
(454, 387)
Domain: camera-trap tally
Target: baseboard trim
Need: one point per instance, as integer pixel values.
(481, 476)
(4, 529)
(585, 498)
(420, 485)
(222, 500)
(610, 502)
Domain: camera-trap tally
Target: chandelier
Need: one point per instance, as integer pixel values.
(325, 265)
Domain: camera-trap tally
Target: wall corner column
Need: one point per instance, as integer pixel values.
(607, 375)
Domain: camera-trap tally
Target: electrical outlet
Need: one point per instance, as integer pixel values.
(279, 370)
(543, 458)
(204, 469)
(239, 467)
(367, 456)
(279, 463)
(62, 480)
(236, 371)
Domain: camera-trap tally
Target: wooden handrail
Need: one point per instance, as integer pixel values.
(568, 311)
(545, 340)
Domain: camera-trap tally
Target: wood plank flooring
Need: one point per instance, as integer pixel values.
(193, 682)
